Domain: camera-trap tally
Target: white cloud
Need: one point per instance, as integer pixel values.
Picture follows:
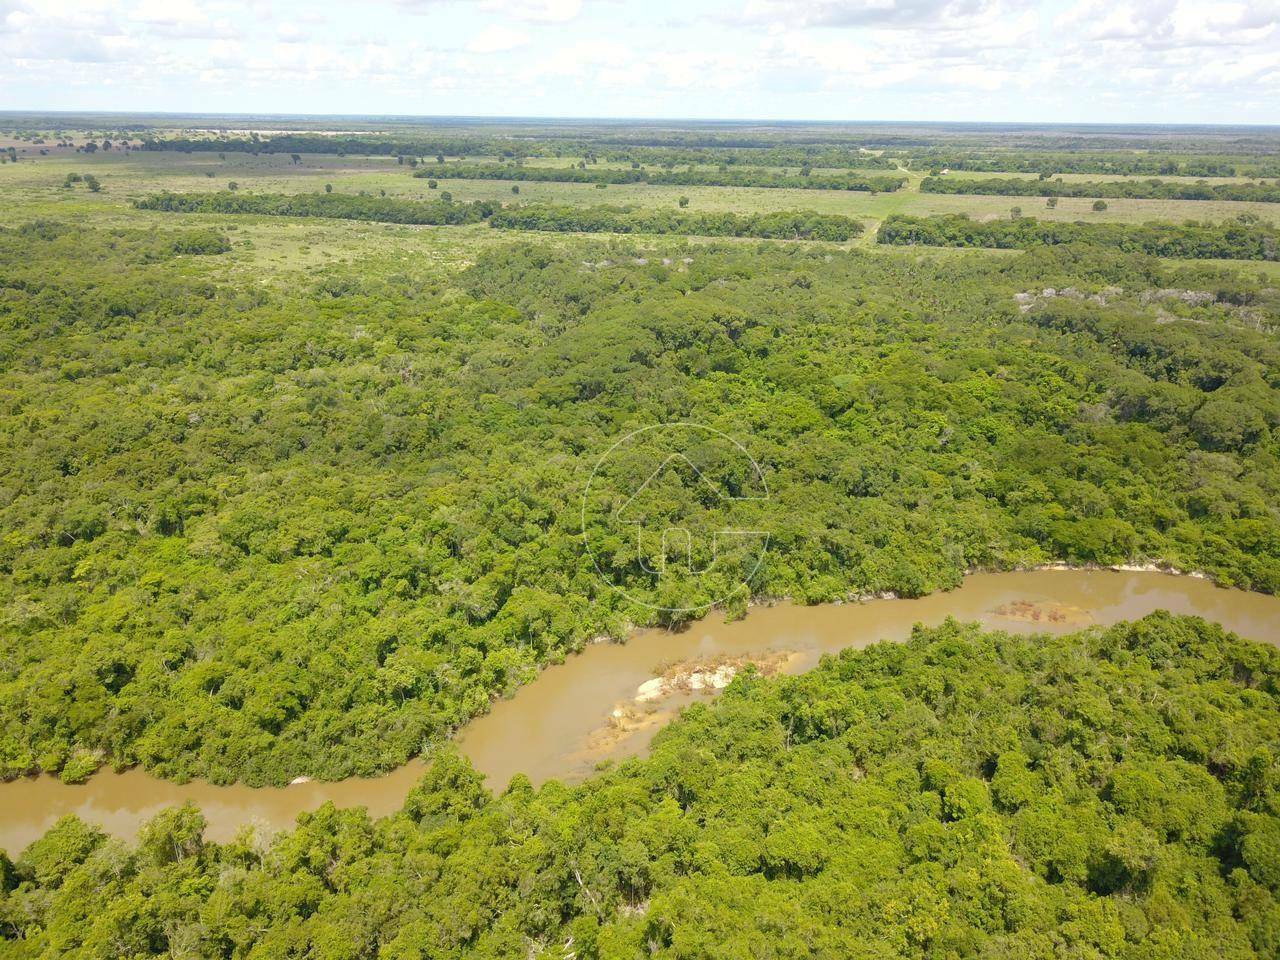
(290, 32)
(528, 11)
(535, 11)
(182, 19)
(895, 14)
(582, 58)
(497, 39)
(1102, 59)
(70, 47)
(1172, 23)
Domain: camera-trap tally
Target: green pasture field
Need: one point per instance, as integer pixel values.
(34, 188)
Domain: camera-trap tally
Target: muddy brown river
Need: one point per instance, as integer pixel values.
(586, 710)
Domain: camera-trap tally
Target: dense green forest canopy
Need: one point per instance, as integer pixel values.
(290, 486)
(1111, 794)
(253, 531)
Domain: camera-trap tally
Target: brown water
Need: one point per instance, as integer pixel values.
(560, 725)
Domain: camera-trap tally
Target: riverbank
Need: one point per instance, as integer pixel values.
(549, 728)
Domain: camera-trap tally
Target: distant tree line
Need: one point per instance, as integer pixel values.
(1113, 189)
(454, 146)
(994, 140)
(770, 151)
(802, 180)
(688, 139)
(783, 225)
(781, 155)
(1122, 163)
(772, 155)
(1233, 240)
(335, 205)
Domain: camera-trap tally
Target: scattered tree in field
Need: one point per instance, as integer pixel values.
(1051, 202)
(328, 188)
(1099, 205)
(232, 185)
(683, 201)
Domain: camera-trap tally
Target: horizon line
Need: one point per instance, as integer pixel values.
(548, 118)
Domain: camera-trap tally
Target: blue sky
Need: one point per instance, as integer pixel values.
(1165, 61)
